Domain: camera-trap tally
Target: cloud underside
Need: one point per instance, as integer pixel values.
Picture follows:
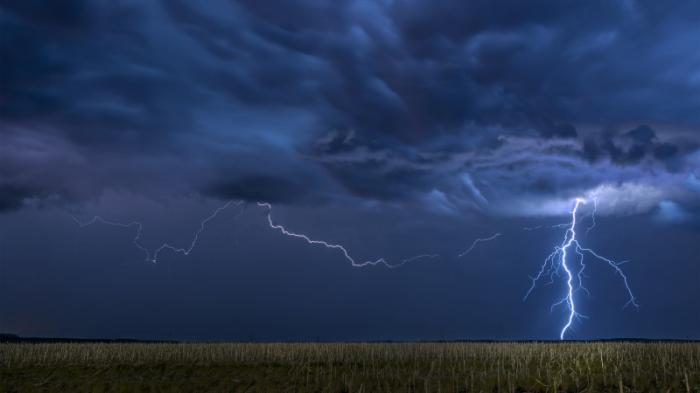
(452, 105)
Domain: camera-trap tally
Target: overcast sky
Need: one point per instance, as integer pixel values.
(402, 130)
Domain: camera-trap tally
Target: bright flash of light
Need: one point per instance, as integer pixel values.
(558, 260)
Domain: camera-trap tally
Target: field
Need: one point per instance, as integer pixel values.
(381, 367)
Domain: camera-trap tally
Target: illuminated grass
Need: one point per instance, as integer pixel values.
(419, 367)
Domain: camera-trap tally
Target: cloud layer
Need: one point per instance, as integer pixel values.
(509, 110)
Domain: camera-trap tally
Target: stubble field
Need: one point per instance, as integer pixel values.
(350, 367)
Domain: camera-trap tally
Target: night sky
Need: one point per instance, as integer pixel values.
(392, 128)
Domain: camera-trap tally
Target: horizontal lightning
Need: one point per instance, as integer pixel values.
(137, 237)
(342, 249)
(164, 246)
(477, 241)
(555, 226)
(193, 243)
(155, 255)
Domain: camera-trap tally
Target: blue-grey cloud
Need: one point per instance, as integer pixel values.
(371, 100)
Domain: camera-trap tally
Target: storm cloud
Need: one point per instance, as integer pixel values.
(305, 102)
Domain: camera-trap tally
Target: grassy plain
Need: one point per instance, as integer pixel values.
(349, 367)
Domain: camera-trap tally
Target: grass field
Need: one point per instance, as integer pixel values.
(399, 367)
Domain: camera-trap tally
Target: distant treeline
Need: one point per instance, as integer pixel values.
(14, 338)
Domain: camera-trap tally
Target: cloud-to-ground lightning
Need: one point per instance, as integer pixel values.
(153, 257)
(342, 249)
(558, 260)
(477, 241)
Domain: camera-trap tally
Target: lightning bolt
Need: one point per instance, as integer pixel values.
(193, 243)
(137, 237)
(153, 257)
(558, 260)
(477, 241)
(595, 209)
(535, 228)
(341, 248)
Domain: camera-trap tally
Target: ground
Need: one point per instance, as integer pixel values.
(350, 367)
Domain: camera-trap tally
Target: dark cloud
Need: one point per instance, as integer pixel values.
(90, 72)
(425, 92)
(14, 197)
(633, 146)
(264, 188)
(551, 130)
(643, 135)
(665, 151)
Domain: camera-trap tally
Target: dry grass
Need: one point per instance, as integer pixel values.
(409, 367)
